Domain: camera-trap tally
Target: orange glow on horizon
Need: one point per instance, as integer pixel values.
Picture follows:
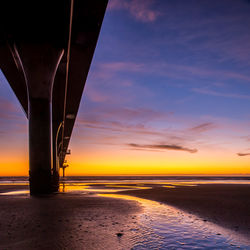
(129, 162)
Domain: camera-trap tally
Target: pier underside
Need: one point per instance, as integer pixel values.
(46, 48)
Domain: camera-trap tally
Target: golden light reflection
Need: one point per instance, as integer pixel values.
(98, 187)
(67, 187)
(19, 192)
(131, 198)
(129, 187)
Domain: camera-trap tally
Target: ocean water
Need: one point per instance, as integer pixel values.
(142, 178)
(159, 226)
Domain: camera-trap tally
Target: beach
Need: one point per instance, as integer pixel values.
(66, 221)
(106, 215)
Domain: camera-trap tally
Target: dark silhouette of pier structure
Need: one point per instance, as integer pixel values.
(46, 48)
(63, 167)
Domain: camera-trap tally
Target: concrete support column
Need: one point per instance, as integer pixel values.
(40, 145)
(39, 63)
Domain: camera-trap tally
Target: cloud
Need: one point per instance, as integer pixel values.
(97, 96)
(122, 66)
(12, 119)
(243, 154)
(107, 70)
(203, 127)
(107, 113)
(222, 32)
(247, 138)
(215, 31)
(8, 110)
(142, 124)
(162, 147)
(115, 126)
(141, 10)
(207, 91)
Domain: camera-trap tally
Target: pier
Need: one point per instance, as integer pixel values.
(46, 48)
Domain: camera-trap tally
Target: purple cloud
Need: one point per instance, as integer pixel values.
(141, 10)
(243, 154)
(207, 91)
(8, 110)
(203, 127)
(107, 70)
(162, 147)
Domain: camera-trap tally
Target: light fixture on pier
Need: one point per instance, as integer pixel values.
(70, 116)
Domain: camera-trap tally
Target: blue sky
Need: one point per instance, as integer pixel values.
(185, 58)
(174, 74)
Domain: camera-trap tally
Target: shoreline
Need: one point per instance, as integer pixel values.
(226, 205)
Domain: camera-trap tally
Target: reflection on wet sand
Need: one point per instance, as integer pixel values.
(18, 192)
(13, 183)
(98, 188)
(168, 186)
(165, 226)
(158, 221)
(66, 221)
(91, 215)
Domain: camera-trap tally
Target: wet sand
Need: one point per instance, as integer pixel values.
(14, 187)
(81, 220)
(66, 221)
(223, 204)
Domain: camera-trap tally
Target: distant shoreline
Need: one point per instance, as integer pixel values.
(138, 177)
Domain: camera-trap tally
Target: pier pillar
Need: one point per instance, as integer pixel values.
(39, 145)
(39, 63)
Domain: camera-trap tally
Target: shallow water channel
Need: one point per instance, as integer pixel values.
(165, 227)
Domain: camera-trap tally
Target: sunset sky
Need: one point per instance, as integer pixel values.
(168, 92)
